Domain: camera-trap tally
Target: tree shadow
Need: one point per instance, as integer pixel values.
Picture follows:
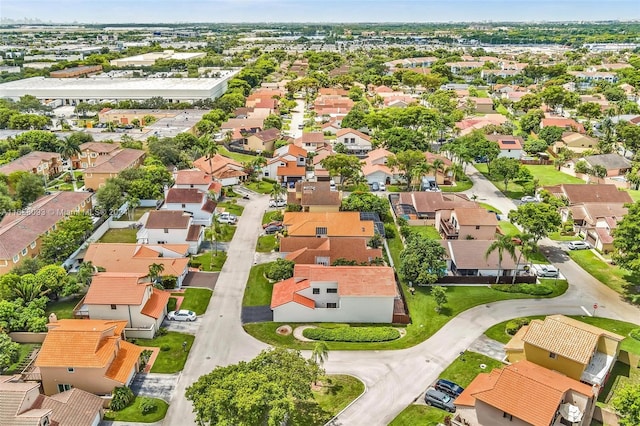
(309, 413)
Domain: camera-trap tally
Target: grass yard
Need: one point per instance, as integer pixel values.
(62, 308)
(461, 185)
(508, 228)
(427, 231)
(331, 397)
(133, 413)
(612, 276)
(230, 207)
(466, 367)
(271, 216)
(171, 357)
(419, 415)
(205, 261)
(266, 243)
(25, 350)
(242, 158)
(258, 289)
(260, 186)
(489, 207)
(635, 194)
(557, 236)
(137, 214)
(621, 376)
(125, 235)
(225, 234)
(195, 299)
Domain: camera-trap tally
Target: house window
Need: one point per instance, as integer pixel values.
(70, 370)
(24, 251)
(64, 387)
(33, 245)
(166, 230)
(552, 355)
(113, 307)
(332, 305)
(16, 258)
(316, 291)
(184, 205)
(477, 226)
(321, 230)
(332, 290)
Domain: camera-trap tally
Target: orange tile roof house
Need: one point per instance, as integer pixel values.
(576, 142)
(424, 204)
(109, 166)
(576, 349)
(86, 354)
(375, 167)
(327, 224)
(315, 197)
(311, 141)
(198, 179)
(171, 227)
(223, 169)
(192, 201)
(21, 232)
(597, 220)
(24, 405)
(577, 193)
(564, 123)
(325, 251)
(128, 297)
(36, 162)
(318, 293)
(92, 152)
(466, 223)
(524, 394)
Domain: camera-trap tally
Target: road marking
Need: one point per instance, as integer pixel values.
(586, 311)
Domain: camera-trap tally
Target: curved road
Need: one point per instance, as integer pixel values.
(394, 378)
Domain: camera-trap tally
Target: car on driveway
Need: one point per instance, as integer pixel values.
(272, 229)
(528, 199)
(578, 245)
(440, 400)
(547, 271)
(375, 186)
(277, 203)
(182, 315)
(272, 223)
(449, 388)
(382, 186)
(227, 218)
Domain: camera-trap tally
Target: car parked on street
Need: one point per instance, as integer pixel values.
(277, 203)
(440, 400)
(227, 218)
(182, 315)
(578, 245)
(449, 388)
(547, 271)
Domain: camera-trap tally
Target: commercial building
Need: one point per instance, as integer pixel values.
(148, 59)
(76, 71)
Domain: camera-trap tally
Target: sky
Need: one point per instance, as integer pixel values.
(172, 11)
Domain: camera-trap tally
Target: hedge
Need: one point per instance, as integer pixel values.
(533, 289)
(514, 325)
(352, 334)
(635, 333)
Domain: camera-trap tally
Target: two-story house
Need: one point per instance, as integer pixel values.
(223, 169)
(596, 221)
(355, 142)
(474, 223)
(311, 141)
(262, 141)
(327, 224)
(91, 355)
(191, 201)
(576, 142)
(171, 227)
(47, 164)
(315, 197)
(197, 179)
(425, 204)
(282, 157)
(317, 293)
(510, 146)
(21, 232)
(325, 251)
(578, 350)
(91, 153)
(125, 296)
(109, 166)
(375, 167)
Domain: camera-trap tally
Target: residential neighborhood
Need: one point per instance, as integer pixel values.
(412, 223)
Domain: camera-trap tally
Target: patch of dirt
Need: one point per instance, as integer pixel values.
(284, 330)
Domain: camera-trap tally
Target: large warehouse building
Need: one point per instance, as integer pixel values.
(71, 91)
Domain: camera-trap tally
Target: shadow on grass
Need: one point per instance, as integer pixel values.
(309, 413)
(620, 370)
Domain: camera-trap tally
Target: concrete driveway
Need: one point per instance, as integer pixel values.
(155, 385)
(201, 279)
(189, 327)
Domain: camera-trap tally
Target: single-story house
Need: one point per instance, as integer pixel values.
(467, 258)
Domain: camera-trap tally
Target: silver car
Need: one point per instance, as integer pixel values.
(578, 245)
(547, 271)
(182, 315)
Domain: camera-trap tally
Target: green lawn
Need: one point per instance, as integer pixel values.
(224, 236)
(230, 207)
(205, 260)
(466, 367)
(171, 357)
(258, 289)
(266, 243)
(133, 413)
(334, 393)
(125, 235)
(635, 194)
(63, 309)
(461, 185)
(419, 415)
(557, 236)
(621, 376)
(195, 299)
(242, 158)
(271, 216)
(622, 328)
(260, 186)
(508, 228)
(427, 231)
(25, 350)
(490, 207)
(612, 276)
(137, 214)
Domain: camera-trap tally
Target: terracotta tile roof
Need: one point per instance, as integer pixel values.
(209, 206)
(116, 288)
(295, 150)
(17, 231)
(221, 166)
(291, 169)
(74, 407)
(192, 177)
(125, 362)
(116, 162)
(284, 291)
(99, 147)
(315, 194)
(156, 304)
(136, 258)
(347, 131)
(80, 343)
(367, 281)
(29, 162)
(578, 193)
(304, 301)
(338, 224)
(215, 187)
(512, 389)
(428, 202)
(566, 337)
(431, 157)
(172, 219)
(377, 154)
(194, 233)
(311, 137)
(563, 123)
(243, 123)
(17, 407)
(306, 249)
(369, 169)
(507, 141)
(184, 196)
(268, 135)
(475, 216)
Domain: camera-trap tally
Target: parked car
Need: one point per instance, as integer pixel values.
(382, 186)
(547, 271)
(449, 388)
(528, 199)
(227, 218)
(375, 186)
(277, 203)
(578, 245)
(440, 400)
(272, 229)
(272, 223)
(182, 315)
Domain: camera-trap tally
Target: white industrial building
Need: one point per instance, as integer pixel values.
(71, 91)
(148, 59)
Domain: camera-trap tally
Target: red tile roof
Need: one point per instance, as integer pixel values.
(156, 304)
(74, 407)
(284, 291)
(192, 177)
(172, 219)
(117, 162)
(194, 233)
(116, 288)
(184, 196)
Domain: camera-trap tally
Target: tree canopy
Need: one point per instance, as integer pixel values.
(422, 261)
(537, 219)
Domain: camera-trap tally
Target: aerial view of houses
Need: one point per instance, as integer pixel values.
(403, 215)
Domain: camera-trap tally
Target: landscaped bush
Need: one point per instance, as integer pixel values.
(145, 356)
(352, 334)
(389, 231)
(162, 331)
(122, 398)
(635, 333)
(532, 289)
(171, 304)
(148, 406)
(169, 282)
(165, 348)
(515, 324)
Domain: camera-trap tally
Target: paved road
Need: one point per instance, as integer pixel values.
(297, 118)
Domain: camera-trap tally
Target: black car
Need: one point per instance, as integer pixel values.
(449, 388)
(272, 229)
(440, 400)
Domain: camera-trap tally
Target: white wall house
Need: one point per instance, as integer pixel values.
(281, 157)
(317, 293)
(191, 201)
(171, 227)
(356, 143)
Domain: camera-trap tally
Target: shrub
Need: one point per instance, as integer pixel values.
(281, 269)
(389, 231)
(148, 406)
(515, 324)
(122, 398)
(352, 334)
(145, 356)
(171, 304)
(635, 333)
(162, 331)
(165, 348)
(169, 282)
(532, 289)
(266, 179)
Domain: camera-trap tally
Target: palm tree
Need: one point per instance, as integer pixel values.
(526, 243)
(67, 148)
(320, 352)
(502, 244)
(438, 167)
(155, 271)
(132, 203)
(421, 170)
(85, 273)
(277, 191)
(210, 148)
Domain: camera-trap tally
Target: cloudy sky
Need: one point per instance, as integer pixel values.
(145, 11)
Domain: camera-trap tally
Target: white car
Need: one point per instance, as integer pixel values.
(227, 218)
(382, 186)
(529, 199)
(182, 315)
(548, 271)
(277, 203)
(578, 245)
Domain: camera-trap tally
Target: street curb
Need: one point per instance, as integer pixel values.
(351, 403)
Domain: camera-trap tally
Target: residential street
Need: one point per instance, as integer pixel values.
(393, 378)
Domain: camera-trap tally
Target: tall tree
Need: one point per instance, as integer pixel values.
(67, 148)
(320, 353)
(626, 241)
(504, 243)
(422, 261)
(537, 219)
(627, 402)
(506, 169)
(407, 161)
(344, 166)
(277, 191)
(439, 294)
